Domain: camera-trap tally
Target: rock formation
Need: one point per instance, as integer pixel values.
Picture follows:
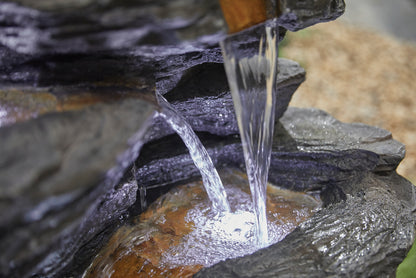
(77, 84)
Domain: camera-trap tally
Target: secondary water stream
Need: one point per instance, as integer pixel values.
(199, 154)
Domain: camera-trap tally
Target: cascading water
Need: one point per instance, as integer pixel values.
(251, 71)
(179, 234)
(251, 76)
(199, 154)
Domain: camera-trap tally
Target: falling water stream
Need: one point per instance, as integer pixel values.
(199, 154)
(252, 76)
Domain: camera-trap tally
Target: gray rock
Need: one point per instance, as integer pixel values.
(298, 15)
(62, 193)
(311, 151)
(344, 149)
(41, 27)
(57, 171)
(348, 164)
(367, 235)
(368, 222)
(44, 27)
(62, 162)
(205, 101)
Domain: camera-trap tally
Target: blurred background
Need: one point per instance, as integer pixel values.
(362, 68)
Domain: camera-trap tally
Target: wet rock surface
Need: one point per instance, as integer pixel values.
(369, 210)
(55, 179)
(366, 235)
(60, 138)
(307, 142)
(159, 240)
(203, 98)
(43, 27)
(298, 15)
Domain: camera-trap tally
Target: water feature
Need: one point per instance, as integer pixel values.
(352, 166)
(251, 73)
(199, 154)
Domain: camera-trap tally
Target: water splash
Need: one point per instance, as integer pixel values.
(215, 238)
(179, 234)
(199, 154)
(252, 78)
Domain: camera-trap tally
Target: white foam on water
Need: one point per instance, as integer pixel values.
(216, 237)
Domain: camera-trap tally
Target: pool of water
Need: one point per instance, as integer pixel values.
(179, 233)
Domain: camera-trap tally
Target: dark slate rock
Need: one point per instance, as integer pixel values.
(65, 158)
(202, 96)
(57, 206)
(122, 69)
(350, 136)
(367, 223)
(41, 27)
(367, 235)
(58, 175)
(298, 15)
(324, 145)
(311, 151)
(343, 162)
(177, 65)
(48, 27)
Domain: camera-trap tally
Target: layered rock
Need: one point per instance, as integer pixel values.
(296, 15)
(57, 173)
(60, 150)
(368, 221)
(44, 26)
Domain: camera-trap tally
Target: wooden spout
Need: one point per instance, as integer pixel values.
(241, 14)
